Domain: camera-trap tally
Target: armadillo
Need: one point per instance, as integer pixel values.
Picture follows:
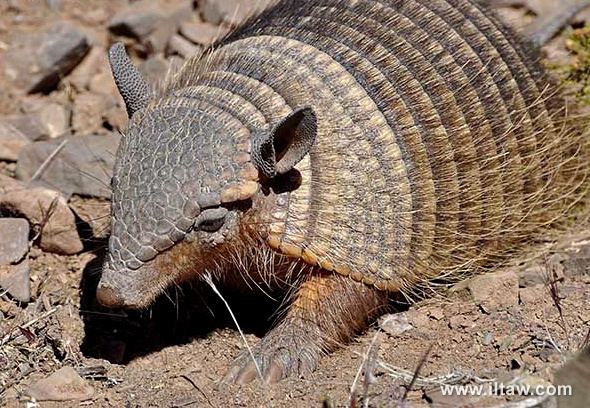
(341, 151)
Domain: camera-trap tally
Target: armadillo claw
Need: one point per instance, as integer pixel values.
(273, 374)
(271, 362)
(246, 374)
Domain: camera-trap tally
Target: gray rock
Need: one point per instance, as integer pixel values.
(116, 117)
(8, 184)
(159, 38)
(32, 103)
(16, 280)
(578, 262)
(41, 120)
(29, 124)
(495, 291)
(41, 60)
(97, 16)
(137, 21)
(532, 276)
(96, 213)
(88, 110)
(48, 212)
(231, 12)
(14, 241)
(151, 23)
(202, 33)
(55, 119)
(575, 374)
(82, 166)
(182, 47)
(154, 69)
(214, 12)
(91, 64)
(63, 385)
(395, 324)
(103, 83)
(12, 141)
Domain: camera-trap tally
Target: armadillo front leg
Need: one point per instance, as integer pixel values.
(326, 311)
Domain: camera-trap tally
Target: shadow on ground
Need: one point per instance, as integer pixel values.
(177, 317)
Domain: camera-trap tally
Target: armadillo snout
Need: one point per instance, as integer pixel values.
(123, 287)
(109, 297)
(113, 294)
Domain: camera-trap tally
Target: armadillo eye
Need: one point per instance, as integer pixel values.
(211, 220)
(211, 225)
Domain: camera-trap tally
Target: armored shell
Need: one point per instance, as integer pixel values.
(438, 148)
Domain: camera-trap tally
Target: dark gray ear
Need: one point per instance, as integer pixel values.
(278, 150)
(135, 91)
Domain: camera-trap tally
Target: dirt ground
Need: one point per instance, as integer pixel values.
(175, 353)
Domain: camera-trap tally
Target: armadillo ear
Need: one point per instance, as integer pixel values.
(135, 91)
(277, 151)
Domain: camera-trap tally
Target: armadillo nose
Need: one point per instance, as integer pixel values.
(108, 296)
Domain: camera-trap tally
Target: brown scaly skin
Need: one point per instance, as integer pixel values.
(339, 150)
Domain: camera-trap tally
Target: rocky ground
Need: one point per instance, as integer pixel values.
(60, 117)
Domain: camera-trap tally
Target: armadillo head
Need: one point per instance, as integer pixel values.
(185, 178)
